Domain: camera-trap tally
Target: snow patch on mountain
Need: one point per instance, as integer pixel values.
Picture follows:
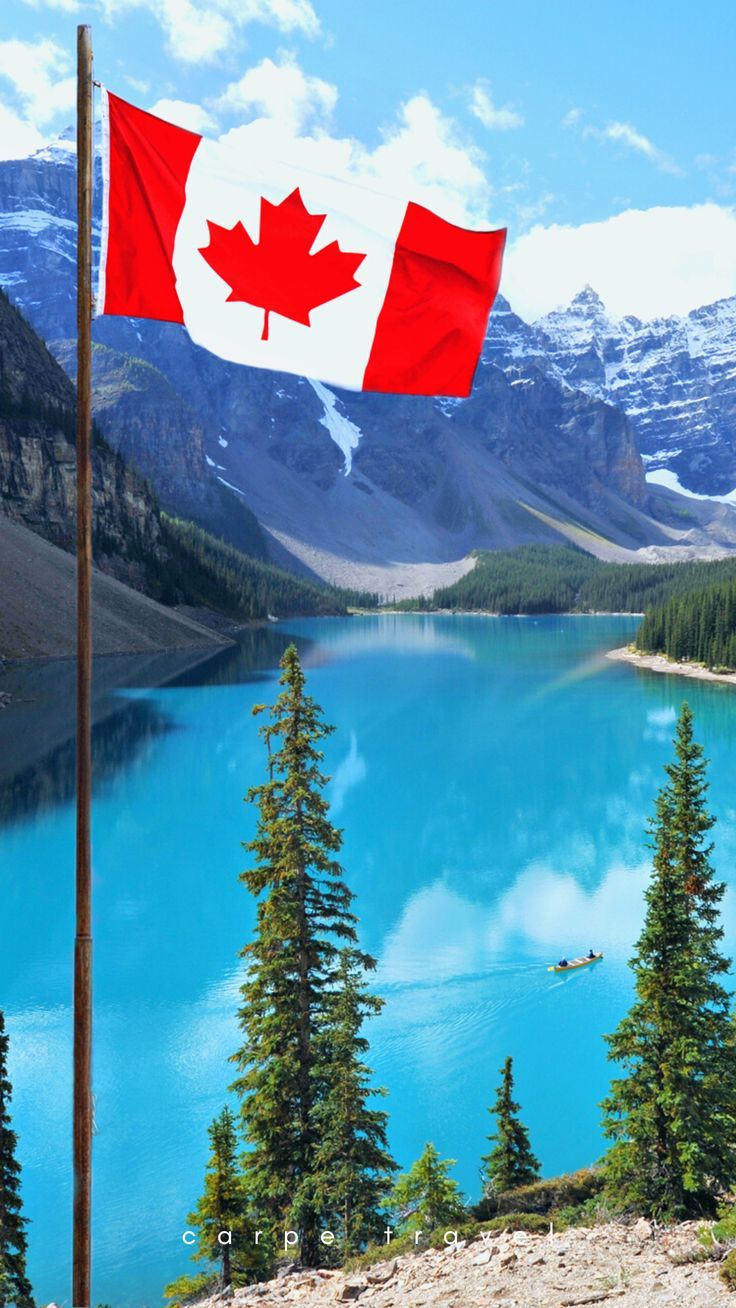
(670, 480)
(344, 433)
(61, 151)
(447, 405)
(659, 457)
(35, 221)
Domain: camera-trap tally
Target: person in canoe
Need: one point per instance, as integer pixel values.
(591, 953)
(563, 963)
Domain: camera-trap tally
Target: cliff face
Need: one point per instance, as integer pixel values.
(555, 438)
(37, 258)
(145, 419)
(37, 460)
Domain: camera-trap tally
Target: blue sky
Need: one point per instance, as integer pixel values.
(549, 116)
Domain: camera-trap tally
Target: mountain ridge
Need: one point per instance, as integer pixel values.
(674, 377)
(360, 486)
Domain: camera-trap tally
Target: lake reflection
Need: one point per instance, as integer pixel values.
(493, 778)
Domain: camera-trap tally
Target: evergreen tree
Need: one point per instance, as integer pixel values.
(296, 996)
(15, 1288)
(672, 1116)
(223, 1207)
(353, 1165)
(426, 1197)
(511, 1162)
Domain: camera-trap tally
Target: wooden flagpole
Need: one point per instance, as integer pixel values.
(83, 942)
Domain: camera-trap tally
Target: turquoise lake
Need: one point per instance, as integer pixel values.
(493, 778)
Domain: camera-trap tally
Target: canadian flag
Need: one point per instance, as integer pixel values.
(270, 264)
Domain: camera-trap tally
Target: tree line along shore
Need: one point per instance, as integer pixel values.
(538, 579)
(300, 1166)
(688, 609)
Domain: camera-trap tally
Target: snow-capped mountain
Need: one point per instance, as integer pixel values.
(675, 378)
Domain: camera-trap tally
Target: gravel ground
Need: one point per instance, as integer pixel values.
(658, 663)
(399, 580)
(634, 1267)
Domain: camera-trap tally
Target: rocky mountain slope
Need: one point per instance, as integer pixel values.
(38, 605)
(37, 460)
(38, 520)
(675, 378)
(361, 489)
(631, 1267)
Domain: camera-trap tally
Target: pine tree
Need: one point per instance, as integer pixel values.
(672, 1116)
(224, 1207)
(294, 1001)
(15, 1288)
(426, 1197)
(353, 1165)
(511, 1162)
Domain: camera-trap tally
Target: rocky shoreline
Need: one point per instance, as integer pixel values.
(632, 1266)
(660, 663)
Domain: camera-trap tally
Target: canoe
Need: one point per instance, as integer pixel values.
(575, 963)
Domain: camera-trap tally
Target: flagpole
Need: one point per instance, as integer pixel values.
(83, 941)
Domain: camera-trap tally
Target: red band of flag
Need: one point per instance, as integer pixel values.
(147, 166)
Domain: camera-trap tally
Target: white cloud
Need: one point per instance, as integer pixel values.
(647, 262)
(662, 717)
(425, 150)
(18, 137)
(198, 33)
(465, 937)
(529, 211)
(37, 71)
(287, 15)
(660, 724)
(490, 115)
(420, 155)
(610, 912)
(627, 135)
(193, 34)
(138, 84)
(66, 6)
(572, 117)
(281, 91)
(350, 772)
(184, 114)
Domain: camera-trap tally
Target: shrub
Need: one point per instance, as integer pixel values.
(719, 1237)
(559, 1192)
(381, 1253)
(535, 1223)
(593, 1212)
(725, 1228)
(190, 1289)
(466, 1230)
(727, 1270)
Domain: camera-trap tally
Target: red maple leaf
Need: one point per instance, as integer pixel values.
(277, 273)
